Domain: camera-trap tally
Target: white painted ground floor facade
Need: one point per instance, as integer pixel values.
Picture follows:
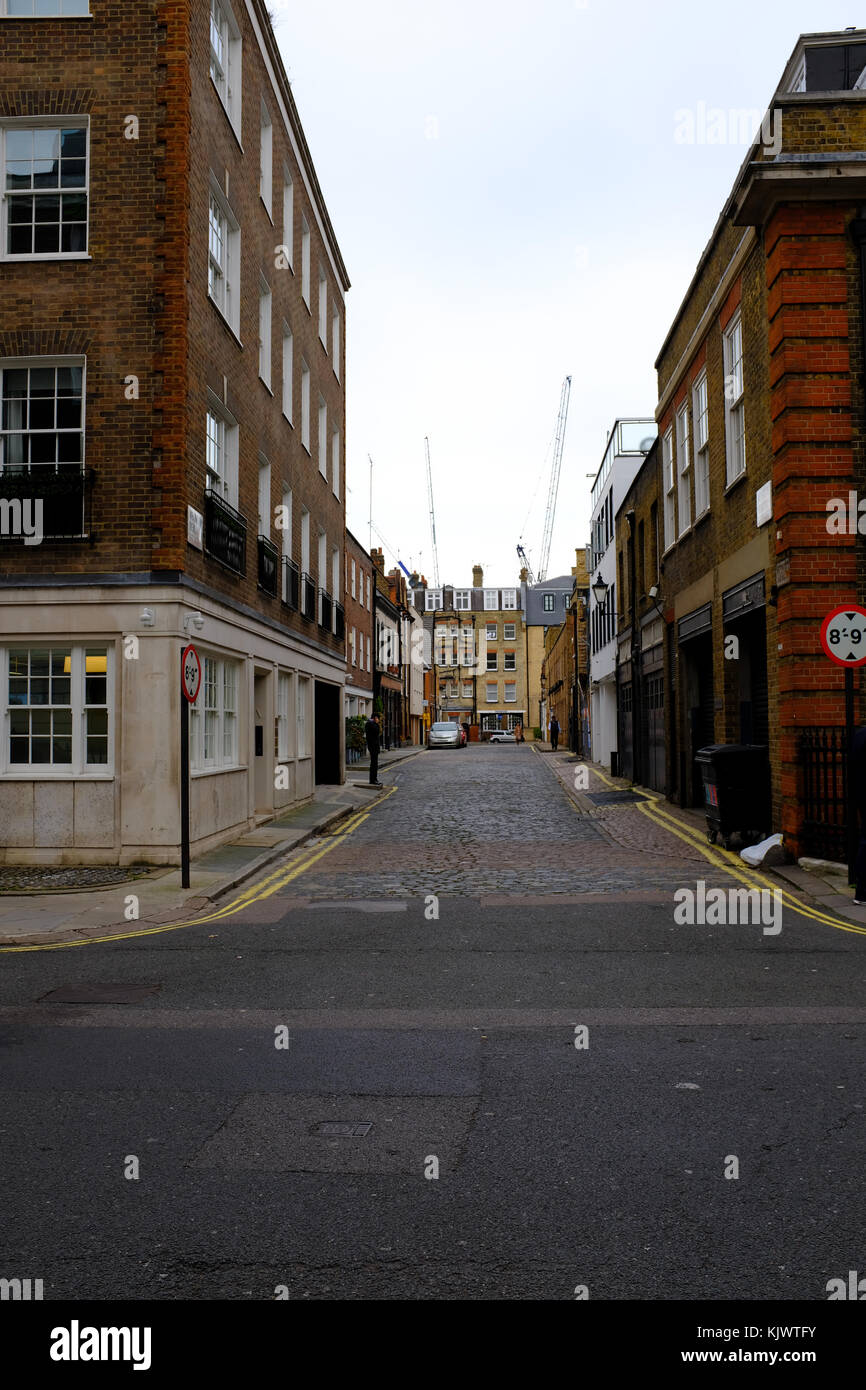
(91, 705)
(603, 726)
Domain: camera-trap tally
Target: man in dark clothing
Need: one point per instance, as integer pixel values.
(554, 733)
(858, 773)
(372, 734)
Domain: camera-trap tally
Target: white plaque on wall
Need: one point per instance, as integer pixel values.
(764, 504)
(195, 528)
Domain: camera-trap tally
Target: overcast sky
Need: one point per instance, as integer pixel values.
(514, 206)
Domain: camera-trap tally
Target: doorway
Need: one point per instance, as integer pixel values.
(263, 756)
(328, 760)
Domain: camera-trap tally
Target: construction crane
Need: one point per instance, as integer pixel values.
(554, 479)
(524, 561)
(432, 513)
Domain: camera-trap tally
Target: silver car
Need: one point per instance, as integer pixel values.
(446, 735)
(502, 737)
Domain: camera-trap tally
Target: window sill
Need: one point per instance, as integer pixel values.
(288, 419)
(669, 549)
(266, 386)
(214, 771)
(226, 113)
(703, 517)
(58, 774)
(267, 209)
(740, 478)
(223, 319)
(44, 255)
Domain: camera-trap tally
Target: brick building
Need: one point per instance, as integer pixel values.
(172, 369)
(545, 604)
(565, 665)
(358, 602)
(478, 649)
(760, 421)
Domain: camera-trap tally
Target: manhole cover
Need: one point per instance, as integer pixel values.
(126, 992)
(609, 798)
(333, 1130)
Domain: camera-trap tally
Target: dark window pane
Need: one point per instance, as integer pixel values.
(62, 750)
(69, 381)
(19, 750)
(18, 174)
(74, 207)
(20, 210)
(40, 722)
(63, 722)
(69, 413)
(97, 750)
(20, 241)
(94, 690)
(46, 238)
(40, 750)
(39, 657)
(72, 173)
(17, 690)
(61, 659)
(39, 690)
(42, 415)
(42, 381)
(73, 143)
(43, 448)
(69, 448)
(74, 237)
(46, 174)
(60, 690)
(19, 722)
(15, 382)
(48, 209)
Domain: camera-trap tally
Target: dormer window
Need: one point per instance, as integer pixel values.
(832, 67)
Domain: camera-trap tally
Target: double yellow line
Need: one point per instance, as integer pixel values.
(651, 806)
(263, 888)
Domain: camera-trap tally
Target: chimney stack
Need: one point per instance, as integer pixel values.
(378, 559)
(477, 577)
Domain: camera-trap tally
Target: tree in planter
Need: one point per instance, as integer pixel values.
(355, 737)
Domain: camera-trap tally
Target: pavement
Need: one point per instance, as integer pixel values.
(823, 881)
(82, 913)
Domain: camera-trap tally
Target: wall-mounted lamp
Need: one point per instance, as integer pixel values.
(193, 620)
(600, 589)
(147, 617)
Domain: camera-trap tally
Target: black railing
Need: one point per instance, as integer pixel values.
(326, 604)
(225, 533)
(291, 584)
(339, 621)
(824, 760)
(269, 562)
(53, 504)
(308, 597)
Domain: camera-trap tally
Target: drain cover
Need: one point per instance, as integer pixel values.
(609, 798)
(332, 1130)
(126, 992)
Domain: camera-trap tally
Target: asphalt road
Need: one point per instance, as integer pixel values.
(419, 985)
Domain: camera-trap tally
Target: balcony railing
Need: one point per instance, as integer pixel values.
(51, 502)
(326, 605)
(308, 597)
(225, 533)
(291, 584)
(269, 563)
(339, 622)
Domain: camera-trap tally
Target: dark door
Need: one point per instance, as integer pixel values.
(327, 726)
(700, 705)
(654, 695)
(752, 671)
(626, 731)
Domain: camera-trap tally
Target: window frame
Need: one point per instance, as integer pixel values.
(230, 450)
(684, 492)
(32, 123)
(305, 261)
(668, 488)
(509, 594)
(230, 101)
(305, 405)
(229, 305)
(78, 767)
(266, 331)
(266, 159)
(701, 431)
(734, 408)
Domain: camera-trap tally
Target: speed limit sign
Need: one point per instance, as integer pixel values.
(843, 635)
(190, 673)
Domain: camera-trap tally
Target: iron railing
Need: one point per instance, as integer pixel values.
(339, 621)
(291, 584)
(824, 761)
(225, 533)
(308, 597)
(269, 562)
(326, 605)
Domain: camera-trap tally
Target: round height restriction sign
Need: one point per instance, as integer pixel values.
(843, 635)
(190, 672)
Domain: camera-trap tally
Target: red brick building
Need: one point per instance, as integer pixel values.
(172, 369)
(760, 420)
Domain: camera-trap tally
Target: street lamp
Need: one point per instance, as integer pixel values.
(600, 589)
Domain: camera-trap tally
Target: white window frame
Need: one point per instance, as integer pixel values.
(512, 686)
(491, 660)
(285, 702)
(65, 12)
(735, 410)
(17, 124)
(302, 717)
(491, 599)
(336, 342)
(335, 463)
(323, 307)
(492, 632)
(369, 667)
(35, 363)
(226, 474)
(223, 694)
(505, 666)
(494, 698)
(265, 330)
(509, 598)
(78, 766)
(368, 597)
(352, 643)
(305, 404)
(266, 161)
(289, 217)
(226, 76)
(432, 600)
(684, 493)
(264, 498)
(225, 271)
(323, 437)
(353, 578)
(288, 370)
(463, 600)
(669, 487)
(286, 543)
(701, 418)
(509, 632)
(305, 261)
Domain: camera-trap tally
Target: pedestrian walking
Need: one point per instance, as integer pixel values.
(554, 733)
(858, 774)
(373, 736)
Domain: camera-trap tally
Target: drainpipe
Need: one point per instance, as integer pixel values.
(636, 673)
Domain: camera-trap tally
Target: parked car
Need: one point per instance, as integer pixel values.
(446, 735)
(464, 737)
(502, 737)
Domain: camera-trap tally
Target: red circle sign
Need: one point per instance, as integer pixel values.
(843, 635)
(190, 673)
